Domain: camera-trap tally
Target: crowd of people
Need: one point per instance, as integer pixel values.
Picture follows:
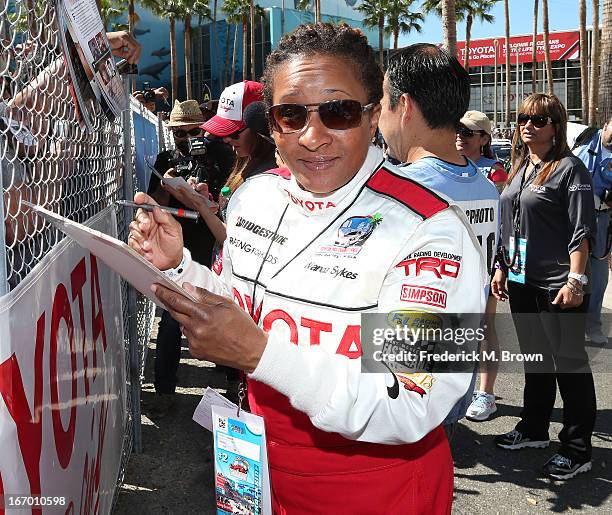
(416, 226)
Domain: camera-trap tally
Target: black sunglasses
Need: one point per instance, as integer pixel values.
(180, 133)
(337, 115)
(464, 132)
(537, 120)
(236, 135)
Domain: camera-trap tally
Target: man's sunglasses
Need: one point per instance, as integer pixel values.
(236, 135)
(537, 120)
(337, 115)
(464, 132)
(180, 133)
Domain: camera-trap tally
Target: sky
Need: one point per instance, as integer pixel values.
(562, 14)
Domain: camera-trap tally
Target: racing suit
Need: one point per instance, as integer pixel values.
(306, 268)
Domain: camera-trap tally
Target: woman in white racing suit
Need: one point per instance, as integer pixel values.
(304, 259)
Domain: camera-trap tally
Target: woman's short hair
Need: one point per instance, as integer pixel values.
(544, 105)
(329, 39)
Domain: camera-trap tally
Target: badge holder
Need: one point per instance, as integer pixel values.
(516, 273)
(242, 477)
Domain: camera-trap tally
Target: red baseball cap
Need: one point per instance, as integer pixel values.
(232, 104)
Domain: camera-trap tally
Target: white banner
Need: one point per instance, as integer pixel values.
(62, 383)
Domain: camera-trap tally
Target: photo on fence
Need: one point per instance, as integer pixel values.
(85, 30)
(81, 90)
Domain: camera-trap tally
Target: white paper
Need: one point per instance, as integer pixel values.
(203, 412)
(116, 254)
(179, 183)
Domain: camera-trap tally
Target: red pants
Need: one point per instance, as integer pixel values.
(364, 478)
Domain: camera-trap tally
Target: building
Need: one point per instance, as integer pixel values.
(489, 55)
(216, 47)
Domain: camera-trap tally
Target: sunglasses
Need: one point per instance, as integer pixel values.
(236, 135)
(537, 120)
(180, 133)
(464, 132)
(338, 115)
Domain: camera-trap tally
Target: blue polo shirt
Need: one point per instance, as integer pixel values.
(596, 158)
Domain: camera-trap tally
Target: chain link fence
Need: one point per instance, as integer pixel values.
(48, 159)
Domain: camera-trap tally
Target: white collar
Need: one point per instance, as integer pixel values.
(317, 205)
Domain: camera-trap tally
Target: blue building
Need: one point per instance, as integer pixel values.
(213, 63)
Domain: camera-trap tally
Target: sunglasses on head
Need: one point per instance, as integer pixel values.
(464, 132)
(236, 135)
(537, 120)
(337, 115)
(180, 133)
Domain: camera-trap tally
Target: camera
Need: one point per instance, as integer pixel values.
(196, 162)
(148, 93)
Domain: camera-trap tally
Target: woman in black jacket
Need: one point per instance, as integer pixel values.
(547, 228)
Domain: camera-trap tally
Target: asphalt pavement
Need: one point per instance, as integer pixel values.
(174, 474)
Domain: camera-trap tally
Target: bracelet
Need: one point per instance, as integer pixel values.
(574, 290)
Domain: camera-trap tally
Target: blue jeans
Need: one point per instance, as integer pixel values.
(599, 274)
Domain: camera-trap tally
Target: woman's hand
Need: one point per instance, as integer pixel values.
(186, 196)
(565, 299)
(202, 189)
(215, 327)
(498, 286)
(157, 236)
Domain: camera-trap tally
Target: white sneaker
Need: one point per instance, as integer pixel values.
(597, 338)
(482, 407)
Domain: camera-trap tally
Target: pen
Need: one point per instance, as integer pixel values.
(181, 213)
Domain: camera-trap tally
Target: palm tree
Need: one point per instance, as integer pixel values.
(401, 20)
(507, 99)
(200, 9)
(111, 9)
(170, 9)
(238, 12)
(534, 49)
(473, 10)
(304, 5)
(551, 86)
(605, 86)
(374, 13)
(584, 60)
(216, 39)
(595, 58)
(252, 24)
(228, 27)
(449, 26)
(468, 10)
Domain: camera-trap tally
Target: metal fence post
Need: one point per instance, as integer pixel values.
(3, 264)
(128, 190)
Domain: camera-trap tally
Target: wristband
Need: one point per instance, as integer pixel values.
(174, 273)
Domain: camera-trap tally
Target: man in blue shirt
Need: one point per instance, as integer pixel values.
(596, 154)
(425, 94)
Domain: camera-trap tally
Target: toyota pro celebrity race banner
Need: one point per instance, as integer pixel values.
(62, 384)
